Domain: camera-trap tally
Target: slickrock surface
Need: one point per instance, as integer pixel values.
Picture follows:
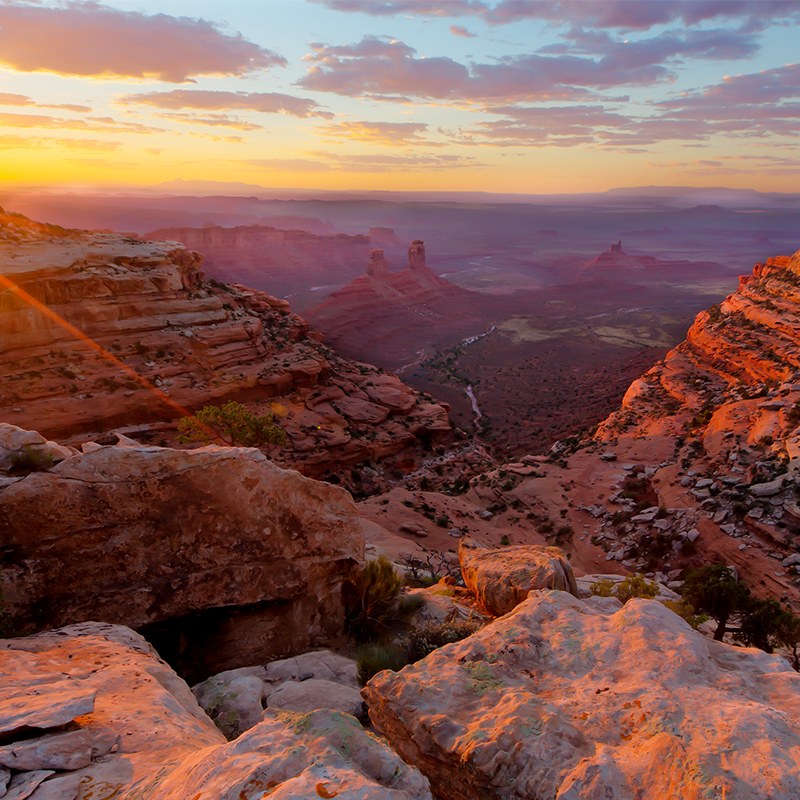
(559, 700)
(151, 741)
(236, 699)
(138, 716)
(501, 579)
(145, 309)
(216, 548)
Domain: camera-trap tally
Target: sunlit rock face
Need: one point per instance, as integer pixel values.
(222, 557)
(558, 699)
(135, 732)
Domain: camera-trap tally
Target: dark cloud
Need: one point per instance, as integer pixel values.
(91, 39)
(264, 102)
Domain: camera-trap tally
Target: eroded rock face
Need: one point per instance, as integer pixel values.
(217, 548)
(151, 741)
(501, 579)
(558, 699)
(110, 331)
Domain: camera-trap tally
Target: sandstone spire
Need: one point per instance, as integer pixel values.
(416, 254)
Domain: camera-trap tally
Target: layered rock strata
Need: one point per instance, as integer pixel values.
(101, 331)
(222, 557)
(558, 699)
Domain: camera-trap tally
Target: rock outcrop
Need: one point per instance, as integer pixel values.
(222, 557)
(136, 732)
(558, 699)
(501, 579)
(101, 331)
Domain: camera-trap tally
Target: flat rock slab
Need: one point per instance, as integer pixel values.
(24, 784)
(46, 706)
(60, 787)
(69, 750)
(310, 695)
(560, 700)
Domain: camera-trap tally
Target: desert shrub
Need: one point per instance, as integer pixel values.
(28, 459)
(504, 540)
(7, 622)
(233, 423)
(374, 609)
(442, 521)
(372, 659)
(632, 586)
(422, 641)
(687, 612)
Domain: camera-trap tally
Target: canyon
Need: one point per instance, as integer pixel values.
(229, 562)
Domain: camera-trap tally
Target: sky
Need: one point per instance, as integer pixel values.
(527, 96)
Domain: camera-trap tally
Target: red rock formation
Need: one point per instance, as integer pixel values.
(278, 261)
(150, 338)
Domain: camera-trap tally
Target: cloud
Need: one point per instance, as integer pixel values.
(385, 133)
(619, 14)
(387, 69)
(92, 39)
(560, 126)
(264, 102)
(15, 142)
(7, 99)
(12, 120)
(460, 30)
(215, 120)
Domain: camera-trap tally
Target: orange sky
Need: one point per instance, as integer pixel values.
(556, 96)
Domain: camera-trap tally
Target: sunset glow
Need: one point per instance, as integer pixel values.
(490, 95)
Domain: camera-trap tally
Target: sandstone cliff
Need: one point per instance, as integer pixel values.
(271, 259)
(99, 331)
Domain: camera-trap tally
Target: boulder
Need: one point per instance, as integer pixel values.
(314, 694)
(767, 489)
(501, 579)
(558, 699)
(236, 699)
(216, 548)
(151, 741)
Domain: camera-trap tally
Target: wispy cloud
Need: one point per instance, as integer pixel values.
(323, 161)
(460, 30)
(40, 121)
(92, 39)
(385, 133)
(263, 102)
(15, 142)
(8, 99)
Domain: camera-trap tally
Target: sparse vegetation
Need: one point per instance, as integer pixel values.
(28, 459)
(234, 424)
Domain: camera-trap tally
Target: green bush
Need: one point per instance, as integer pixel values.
(632, 586)
(7, 622)
(372, 659)
(233, 423)
(28, 459)
(374, 611)
(430, 636)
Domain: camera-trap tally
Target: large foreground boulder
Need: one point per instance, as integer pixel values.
(501, 579)
(559, 700)
(91, 711)
(221, 557)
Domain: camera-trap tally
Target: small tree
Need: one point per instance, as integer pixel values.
(715, 591)
(234, 424)
(788, 636)
(766, 625)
